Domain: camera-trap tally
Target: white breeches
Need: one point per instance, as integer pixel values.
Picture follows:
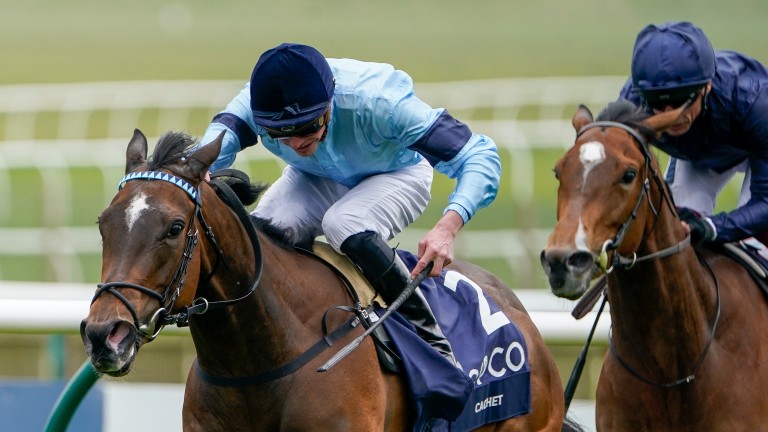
(384, 203)
(698, 188)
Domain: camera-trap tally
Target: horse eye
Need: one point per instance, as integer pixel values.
(629, 177)
(176, 228)
(557, 175)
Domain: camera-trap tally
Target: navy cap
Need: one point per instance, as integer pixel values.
(291, 85)
(671, 56)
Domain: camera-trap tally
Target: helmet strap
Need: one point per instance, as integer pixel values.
(327, 119)
(707, 89)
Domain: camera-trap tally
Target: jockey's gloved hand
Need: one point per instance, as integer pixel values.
(702, 228)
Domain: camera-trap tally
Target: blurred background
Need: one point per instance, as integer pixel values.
(77, 77)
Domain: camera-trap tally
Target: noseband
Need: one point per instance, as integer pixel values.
(614, 243)
(162, 317)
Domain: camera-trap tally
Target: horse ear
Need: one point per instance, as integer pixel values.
(206, 155)
(582, 117)
(136, 154)
(663, 121)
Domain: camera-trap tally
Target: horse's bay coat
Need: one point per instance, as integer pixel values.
(270, 327)
(688, 346)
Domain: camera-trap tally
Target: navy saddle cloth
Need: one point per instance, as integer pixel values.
(493, 381)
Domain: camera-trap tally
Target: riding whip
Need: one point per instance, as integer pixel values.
(407, 291)
(578, 367)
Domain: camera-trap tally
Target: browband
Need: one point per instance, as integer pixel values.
(157, 175)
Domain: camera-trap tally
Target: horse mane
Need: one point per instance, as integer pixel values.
(626, 112)
(285, 238)
(248, 193)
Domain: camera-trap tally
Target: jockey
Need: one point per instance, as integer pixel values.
(723, 131)
(360, 149)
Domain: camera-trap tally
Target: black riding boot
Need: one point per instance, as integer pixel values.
(389, 275)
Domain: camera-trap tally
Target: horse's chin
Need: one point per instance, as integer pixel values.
(115, 364)
(573, 294)
(125, 370)
(571, 287)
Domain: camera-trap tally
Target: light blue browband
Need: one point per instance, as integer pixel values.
(157, 175)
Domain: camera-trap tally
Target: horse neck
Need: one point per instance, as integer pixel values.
(269, 327)
(663, 307)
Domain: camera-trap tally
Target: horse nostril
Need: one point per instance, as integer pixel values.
(581, 260)
(553, 261)
(544, 262)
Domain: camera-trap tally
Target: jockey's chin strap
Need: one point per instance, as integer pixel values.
(611, 245)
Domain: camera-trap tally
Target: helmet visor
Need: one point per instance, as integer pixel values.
(673, 98)
(300, 131)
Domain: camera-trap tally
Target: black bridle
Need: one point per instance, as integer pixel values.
(613, 244)
(161, 317)
(625, 263)
(149, 330)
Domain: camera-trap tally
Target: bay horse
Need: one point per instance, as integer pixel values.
(254, 306)
(687, 350)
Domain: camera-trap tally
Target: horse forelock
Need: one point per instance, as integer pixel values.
(624, 111)
(170, 148)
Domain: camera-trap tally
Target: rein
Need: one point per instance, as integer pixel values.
(626, 263)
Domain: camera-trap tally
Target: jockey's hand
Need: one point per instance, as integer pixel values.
(207, 176)
(437, 244)
(700, 227)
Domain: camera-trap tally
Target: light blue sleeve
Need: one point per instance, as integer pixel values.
(399, 115)
(477, 170)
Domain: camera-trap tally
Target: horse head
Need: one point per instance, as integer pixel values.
(609, 197)
(150, 262)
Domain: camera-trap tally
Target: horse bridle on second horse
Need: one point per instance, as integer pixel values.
(162, 316)
(626, 263)
(614, 243)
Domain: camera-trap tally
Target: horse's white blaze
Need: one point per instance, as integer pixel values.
(138, 205)
(591, 155)
(581, 237)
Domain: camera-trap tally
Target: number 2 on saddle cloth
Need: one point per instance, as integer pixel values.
(493, 382)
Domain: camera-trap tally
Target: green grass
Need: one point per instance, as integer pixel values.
(435, 40)
(52, 41)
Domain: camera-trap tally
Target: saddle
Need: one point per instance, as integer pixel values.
(490, 348)
(364, 295)
(749, 253)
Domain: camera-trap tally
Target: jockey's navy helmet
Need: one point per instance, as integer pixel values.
(671, 61)
(291, 87)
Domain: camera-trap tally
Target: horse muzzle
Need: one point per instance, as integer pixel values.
(569, 272)
(111, 346)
